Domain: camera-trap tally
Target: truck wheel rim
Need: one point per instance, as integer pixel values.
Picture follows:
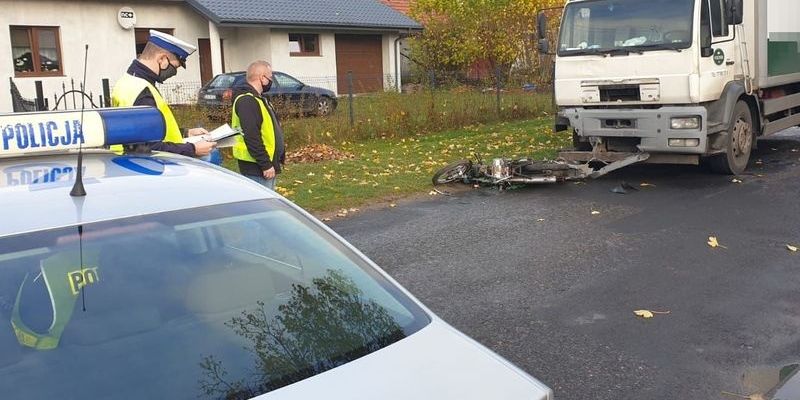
(742, 138)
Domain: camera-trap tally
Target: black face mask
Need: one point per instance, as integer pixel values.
(266, 88)
(167, 73)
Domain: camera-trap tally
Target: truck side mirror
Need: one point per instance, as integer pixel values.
(541, 25)
(544, 46)
(735, 11)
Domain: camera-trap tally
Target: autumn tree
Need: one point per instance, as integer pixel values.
(459, 33)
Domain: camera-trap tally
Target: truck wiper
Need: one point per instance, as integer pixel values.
(605, 52)
(588, 52)
(656, 46)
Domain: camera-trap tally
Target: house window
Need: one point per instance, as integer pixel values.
(36, 51)
(303, 44)
(143, 34)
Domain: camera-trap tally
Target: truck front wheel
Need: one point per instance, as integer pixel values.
(738, 144)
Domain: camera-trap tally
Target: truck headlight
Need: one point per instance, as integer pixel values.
(685, 123)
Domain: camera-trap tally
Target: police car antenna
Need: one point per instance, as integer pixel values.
(77, 189)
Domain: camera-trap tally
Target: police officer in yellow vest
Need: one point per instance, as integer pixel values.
(158, 62)
(260, 149)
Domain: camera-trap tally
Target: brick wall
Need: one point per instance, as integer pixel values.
(399, 5)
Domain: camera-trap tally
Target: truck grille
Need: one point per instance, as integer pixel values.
(620, 93)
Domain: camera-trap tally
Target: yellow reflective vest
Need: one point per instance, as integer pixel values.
(124, 94)
(240, 151)
(64, 277)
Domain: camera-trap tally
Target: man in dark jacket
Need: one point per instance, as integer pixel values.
(260, 149)
(158, 62)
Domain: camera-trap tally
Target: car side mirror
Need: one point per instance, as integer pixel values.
(735, 11)
(706, 52)
(544, 46)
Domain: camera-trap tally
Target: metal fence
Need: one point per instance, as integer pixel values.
(180, 92)
(186, 92)
(73, 95)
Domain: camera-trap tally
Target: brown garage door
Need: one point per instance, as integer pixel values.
(361, 54)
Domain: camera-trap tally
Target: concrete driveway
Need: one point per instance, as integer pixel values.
(535, 276)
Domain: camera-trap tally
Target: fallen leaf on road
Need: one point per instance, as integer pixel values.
(392, 205)
(540, 220)
(433, 193)
(476, 186)
(646, 314)
(791, 248)
(734, 180)
(595, 212)
(645, 184)
(714, 243)
(326, 219)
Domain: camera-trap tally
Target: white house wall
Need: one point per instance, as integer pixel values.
(313, 70)
(245, 45)
(111, 48)
(389, 62)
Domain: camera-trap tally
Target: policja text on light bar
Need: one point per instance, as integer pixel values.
(29, 133)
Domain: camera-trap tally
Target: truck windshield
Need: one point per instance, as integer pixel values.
(614, 26)
(222, 302)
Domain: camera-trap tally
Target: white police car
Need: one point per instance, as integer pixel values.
(176, 279)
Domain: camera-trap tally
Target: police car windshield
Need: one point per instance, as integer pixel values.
(228, 301)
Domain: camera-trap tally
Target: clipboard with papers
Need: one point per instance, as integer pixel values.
(223, 135)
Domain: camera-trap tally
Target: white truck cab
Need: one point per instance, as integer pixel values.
(680, 80)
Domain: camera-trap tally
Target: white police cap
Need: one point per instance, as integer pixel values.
(172, 44)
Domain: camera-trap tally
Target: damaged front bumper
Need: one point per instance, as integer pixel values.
(677, 130)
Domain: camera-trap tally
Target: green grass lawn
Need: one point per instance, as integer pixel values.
(391, 115)
(390, 168)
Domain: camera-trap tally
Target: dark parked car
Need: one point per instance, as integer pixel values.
(288, 94)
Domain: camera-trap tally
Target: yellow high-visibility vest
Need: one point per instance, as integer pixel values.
(240, 151)
(64, 277)
(124, 94)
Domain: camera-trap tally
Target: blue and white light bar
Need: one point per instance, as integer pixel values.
(53, 131)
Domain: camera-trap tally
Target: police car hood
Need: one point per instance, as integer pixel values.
(437, 362)
(35, 190)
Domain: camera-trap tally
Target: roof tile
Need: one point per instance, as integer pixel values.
(323, 13)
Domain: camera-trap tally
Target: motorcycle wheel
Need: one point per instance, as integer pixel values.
(452, 172)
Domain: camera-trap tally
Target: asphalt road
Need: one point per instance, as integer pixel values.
(535, 276)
